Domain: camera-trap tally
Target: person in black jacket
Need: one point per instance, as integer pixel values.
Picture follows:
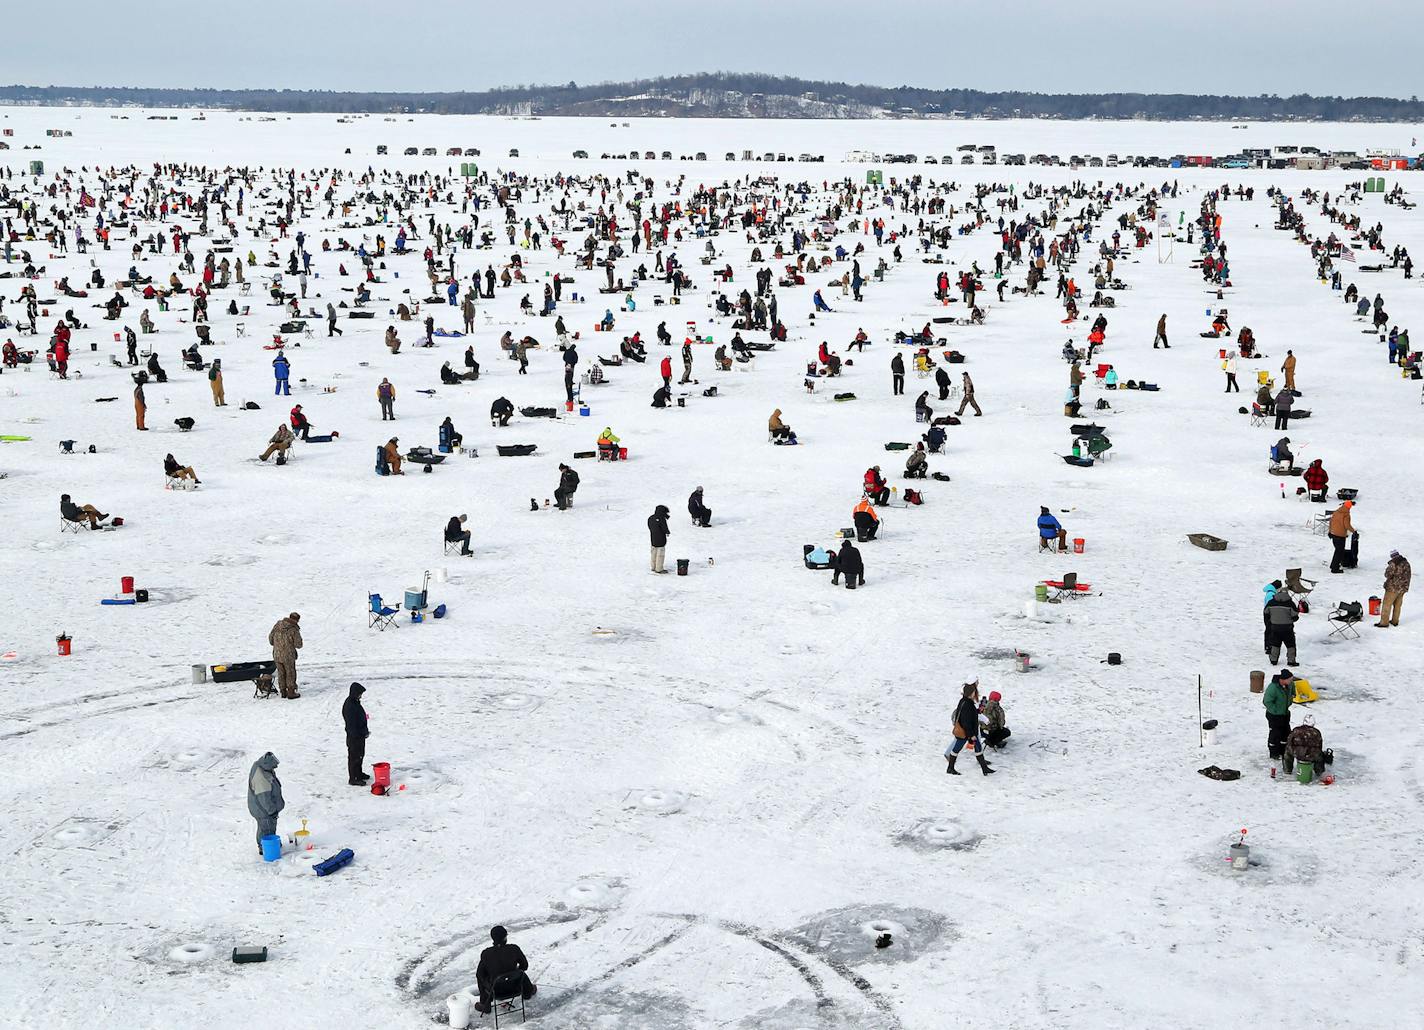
(897, 374)
(701, 514)
(495, 962)
(942, 381)
(356, 733)
(568, 483)
(966, 730)
(849, 564)
(658, 532)
(501, 411)
(1281, 617)
(455, 531)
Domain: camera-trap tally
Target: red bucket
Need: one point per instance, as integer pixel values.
(126, 585)
(1222, 355)
(622, 454)
(63, 643)
(382, 773)
(1078, 545)
(1374, 605)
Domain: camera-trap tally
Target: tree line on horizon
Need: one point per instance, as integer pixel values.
(730, 94)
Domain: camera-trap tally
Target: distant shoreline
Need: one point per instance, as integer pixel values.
(730, 96)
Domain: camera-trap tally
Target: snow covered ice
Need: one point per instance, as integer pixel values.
(697, 801)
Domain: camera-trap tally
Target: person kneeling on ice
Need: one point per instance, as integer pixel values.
(501, 411)
(848, 563)
(497, 962)
(917, 465)
(866, 521)
(1305, 746)
(991, 718)
(966, 730)
(1050, 529)
(264, 796)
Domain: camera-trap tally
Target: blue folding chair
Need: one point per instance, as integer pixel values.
(381, 614)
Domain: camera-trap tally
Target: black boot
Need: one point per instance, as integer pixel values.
(951, 770)
(984, 765)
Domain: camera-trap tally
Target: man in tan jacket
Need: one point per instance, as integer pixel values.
(1340, 531)
(1396, 585)
(286, 641)
(1289, 369)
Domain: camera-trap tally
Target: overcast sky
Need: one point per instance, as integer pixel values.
(1203, 46)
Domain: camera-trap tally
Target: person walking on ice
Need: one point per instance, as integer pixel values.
(966, 730)
(968, 401)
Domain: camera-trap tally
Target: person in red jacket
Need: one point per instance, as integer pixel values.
(61, 350)
(1316, 479)
(665, 370)
(300, 426)
(875, 488)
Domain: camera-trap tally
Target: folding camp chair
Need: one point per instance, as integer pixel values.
(1345, 618)
(1298, 588)
(67, 526)
(1067, 587)
(508, 991)
(381, 614)
(1258, 415)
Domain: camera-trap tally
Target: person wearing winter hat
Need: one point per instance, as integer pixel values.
(658, 533)
(1396, 585)
(497, 962)
(966, 730)
(994, 729)
(357, 730)
(1340, 530)
(1279, 695)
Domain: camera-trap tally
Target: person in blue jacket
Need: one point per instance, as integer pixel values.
(281, 370)
(452, 291)
(1049, 529)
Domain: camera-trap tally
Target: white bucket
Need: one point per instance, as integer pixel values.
(1240, 857)
(1030, 609)
(442, 575)
(459, 1006)
(1021, 662)
(1209, 737)
(200, 674)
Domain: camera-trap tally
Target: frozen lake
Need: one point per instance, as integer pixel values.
(696, 802)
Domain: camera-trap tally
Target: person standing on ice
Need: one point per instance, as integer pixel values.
(386, 396)
(658, 534)
(1277, 699)
(357, 730)
(1161, 336)
(281, 373)
(1289, 369)
(264, 796)
(966, 730)
(1397, 574)
(665, 370)
(286, 641)
(897, 375)
(968, 400)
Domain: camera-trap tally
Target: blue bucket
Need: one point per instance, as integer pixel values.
(271, 847)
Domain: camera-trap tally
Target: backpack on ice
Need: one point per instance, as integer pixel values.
(914, 497)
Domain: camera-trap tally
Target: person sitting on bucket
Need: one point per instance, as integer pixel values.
(867, 523)
(875, 486)
(495, 962)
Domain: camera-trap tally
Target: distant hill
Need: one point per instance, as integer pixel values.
(730, 95)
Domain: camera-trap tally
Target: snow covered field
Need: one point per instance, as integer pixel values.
(696, 801)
